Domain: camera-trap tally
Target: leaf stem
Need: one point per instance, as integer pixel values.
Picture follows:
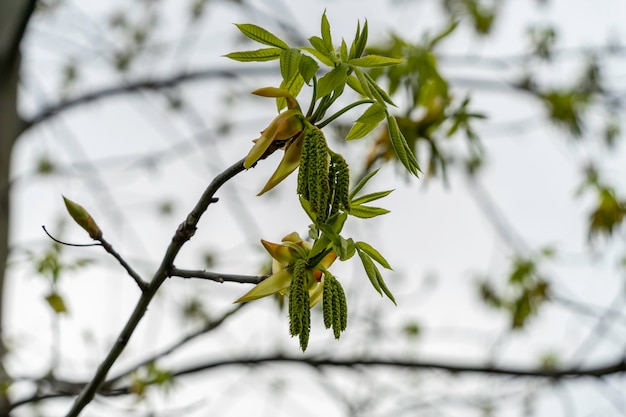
(344, 110)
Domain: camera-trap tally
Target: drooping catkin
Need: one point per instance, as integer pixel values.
(298, 298)
(327, 300)
(343, 307)
(336, 310)
(342, 187)
(313, 174)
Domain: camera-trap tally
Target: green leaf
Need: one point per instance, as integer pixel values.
(371, 197)
(353, 82)
(400, 147)
(374, 254)
(308, 68)
(360, 76)
(290, 63)
(373, 114)
(343, 52)
(55, 301)
(320, 46)
(361, 42)
(326, 36)
(367, 212)
(360, 130)
(374, 61)
(334, 79)
(385, 289)
(277, 282)
(307, 209)
(261, 35)
(290, 70)
(320, 56)
(371, 270)
(362, 183)
(377, 90)
(265, 54)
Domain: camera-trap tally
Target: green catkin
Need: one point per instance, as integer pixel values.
(332, 189)
(336, 310)
(303, 171)
(306, 323)
(313, 183)
(327, 300)
(343, 182)
(343, 307)
(298, 296)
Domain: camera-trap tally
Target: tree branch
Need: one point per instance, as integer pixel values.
(213, 276)
(564, 373)
(576, 372)
(153, 84)
(184, 232)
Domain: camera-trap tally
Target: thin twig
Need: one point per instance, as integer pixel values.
(214, 276)
(143, 285)
(79, 245)
(184, 232)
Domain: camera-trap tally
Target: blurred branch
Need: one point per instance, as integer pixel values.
(151, 83)
(357, 363)
(208, 327)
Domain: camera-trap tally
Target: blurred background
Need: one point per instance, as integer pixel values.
(508, 252)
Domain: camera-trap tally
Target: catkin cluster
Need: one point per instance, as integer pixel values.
(313, 174)
(323, 179)
(334, 306)
(339, 183)
(299, 307)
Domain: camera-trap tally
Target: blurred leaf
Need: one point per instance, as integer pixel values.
(56, 303)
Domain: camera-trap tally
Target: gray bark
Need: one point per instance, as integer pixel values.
(14, 16)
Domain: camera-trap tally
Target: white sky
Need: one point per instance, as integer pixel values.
(437, 238)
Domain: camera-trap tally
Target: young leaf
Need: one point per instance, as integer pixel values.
(371, 270)
(343, 52)
(373, 114)
(400, 147)
(260, 55)
(326, 37)
(360, 130)
(371, 197)
(361, 42)
(378, 92)
(308, 68)
(320, 56)
(336, 78)
(353, 82)
(290, 63)
(384, 287)
(320, 46)
(277, 282)
(261, 35)
(374, 254)
(362, 183)
(367, 212)
(373, 61)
